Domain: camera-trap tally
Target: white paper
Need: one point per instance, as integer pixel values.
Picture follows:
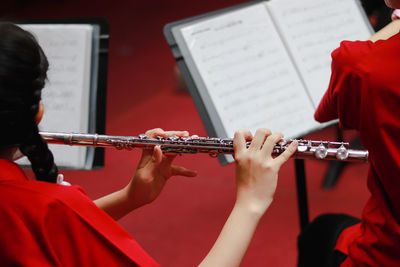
(66, 94)
(248, 73)
(312, 30)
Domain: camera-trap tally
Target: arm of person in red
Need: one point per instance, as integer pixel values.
(340, 103)
(256, 179)
(362, 94)
(153, 171)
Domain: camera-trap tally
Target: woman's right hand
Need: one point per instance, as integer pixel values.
(256, 179)
(256, 169)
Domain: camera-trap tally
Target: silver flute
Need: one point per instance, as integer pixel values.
(307, 149)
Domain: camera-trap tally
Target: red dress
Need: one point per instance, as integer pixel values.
(47, 224)
(364, 93)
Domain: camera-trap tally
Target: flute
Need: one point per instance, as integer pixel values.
(307, 149)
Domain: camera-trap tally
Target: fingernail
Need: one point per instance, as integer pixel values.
(155, 148)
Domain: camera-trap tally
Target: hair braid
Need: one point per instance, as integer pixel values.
(23, 68)
(41, 158)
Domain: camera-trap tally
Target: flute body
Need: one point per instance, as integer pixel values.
(307, 149)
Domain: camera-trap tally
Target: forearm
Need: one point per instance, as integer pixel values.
(234, 239)
(115, 204)
(386, 32)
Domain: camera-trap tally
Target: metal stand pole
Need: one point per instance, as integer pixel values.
(301, 192)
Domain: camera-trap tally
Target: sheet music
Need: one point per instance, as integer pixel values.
(246, 72)
(312, 30)
(66, 94)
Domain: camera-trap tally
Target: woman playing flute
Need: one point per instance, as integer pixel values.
(46, 222)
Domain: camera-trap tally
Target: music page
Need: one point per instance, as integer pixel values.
(312, 29)
(66, 94)
(244, 69)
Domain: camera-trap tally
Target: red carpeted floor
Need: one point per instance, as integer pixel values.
(180, 227)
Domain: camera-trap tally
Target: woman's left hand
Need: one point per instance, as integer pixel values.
(153, 170)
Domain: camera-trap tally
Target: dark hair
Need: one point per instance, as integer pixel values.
(23, 68)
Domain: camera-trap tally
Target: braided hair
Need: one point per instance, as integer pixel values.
(23, 68)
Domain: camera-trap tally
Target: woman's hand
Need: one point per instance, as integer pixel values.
(256, 179)
(256, 169)
(153, 170)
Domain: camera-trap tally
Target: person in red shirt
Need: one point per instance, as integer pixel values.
(364, 93)
(46, 222)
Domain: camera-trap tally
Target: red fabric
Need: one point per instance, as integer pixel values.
(47, 224)
(364, 93)
(347, 237)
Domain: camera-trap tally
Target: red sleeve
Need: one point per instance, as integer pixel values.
(364, 93)
(54, 225)
(342, 99)
(77, 243)
(92, 238)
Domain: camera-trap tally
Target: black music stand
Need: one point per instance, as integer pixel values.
(302, 199)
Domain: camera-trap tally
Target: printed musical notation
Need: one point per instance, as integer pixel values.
(265, 64)
(312, 30)
(248, 73)
(66, 94)
(67, 90)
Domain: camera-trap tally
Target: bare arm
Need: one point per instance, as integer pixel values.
(387, 32)
(116, 204)
(234, 239)
(256, 179)
(153, 170)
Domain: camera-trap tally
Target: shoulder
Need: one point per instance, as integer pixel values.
(363, 55)
(26, 193)
(352, 49)
(351, 54)
(72, 198)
